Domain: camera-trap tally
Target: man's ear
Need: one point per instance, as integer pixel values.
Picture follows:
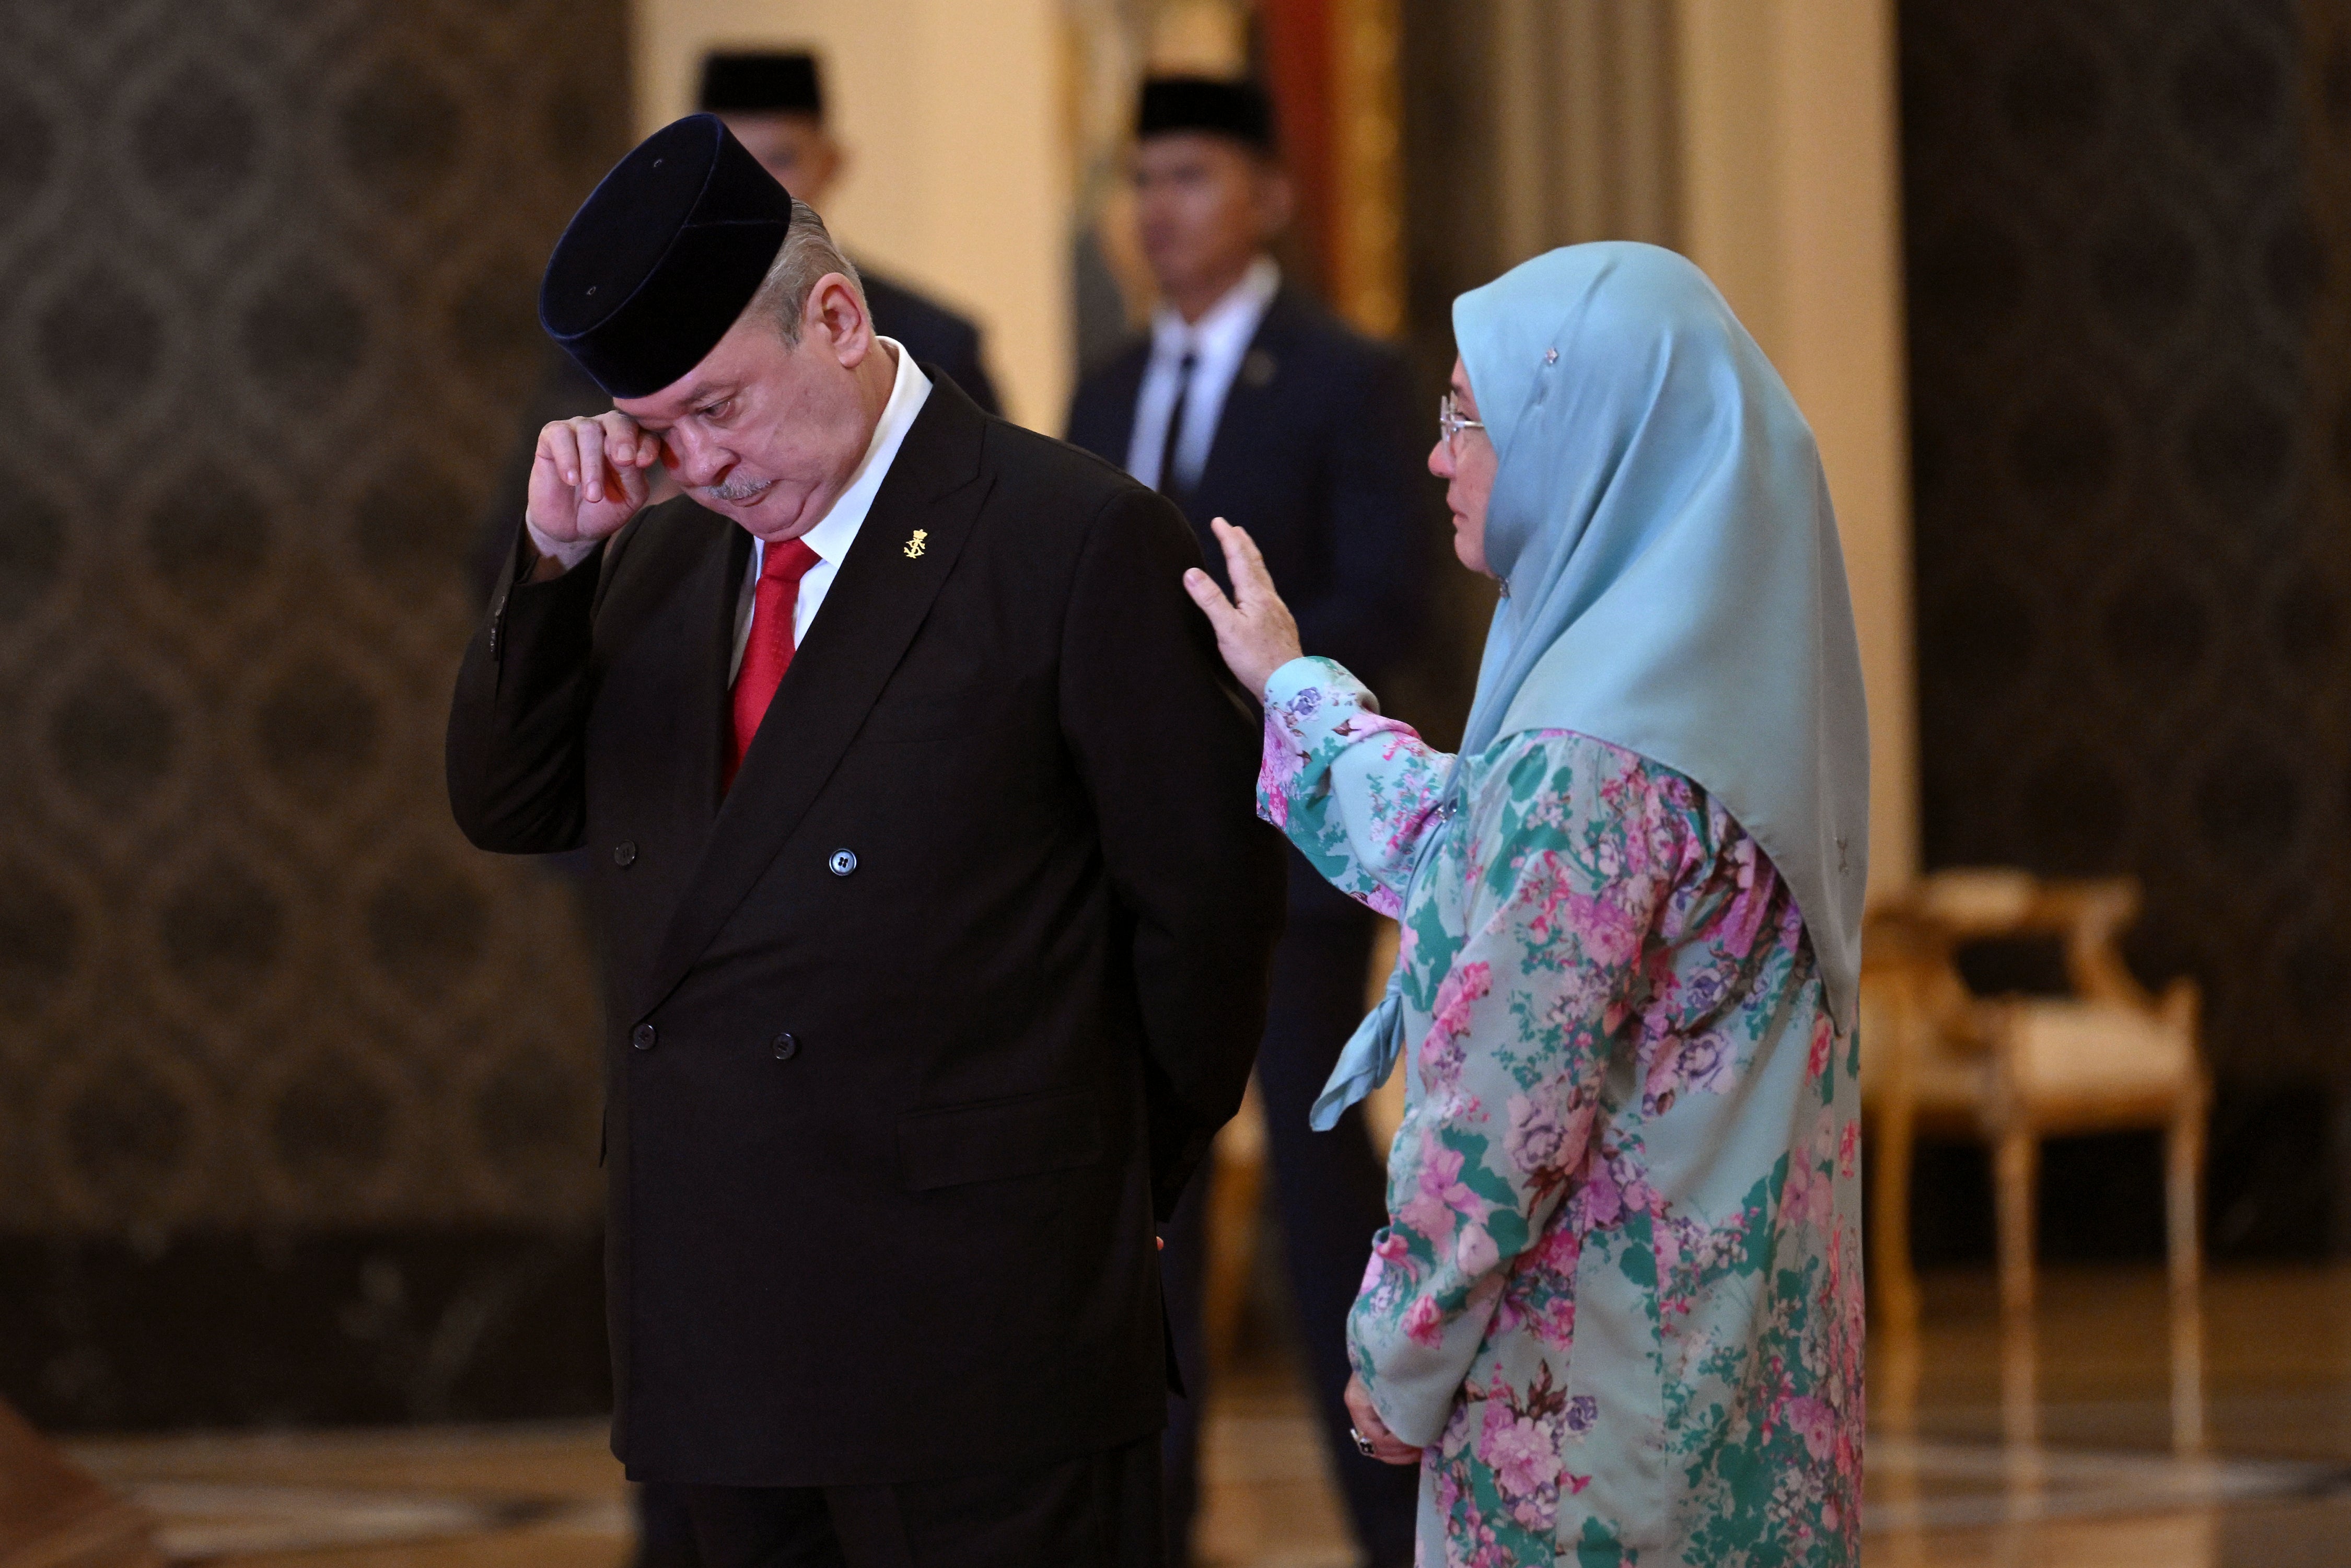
(834, 309)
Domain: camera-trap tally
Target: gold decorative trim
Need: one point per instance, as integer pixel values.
(1367, 136)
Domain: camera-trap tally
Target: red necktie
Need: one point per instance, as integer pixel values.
(767, 652)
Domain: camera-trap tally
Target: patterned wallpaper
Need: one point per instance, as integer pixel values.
(2126, 259)
(266, 286)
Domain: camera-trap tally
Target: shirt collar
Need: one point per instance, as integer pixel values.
(1228, 324)
(830, 538)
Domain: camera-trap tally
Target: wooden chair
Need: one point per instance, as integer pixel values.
(2015, 1069)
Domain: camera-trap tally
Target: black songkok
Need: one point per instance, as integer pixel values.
(765, 83)
(1239, 109)
(664, 256)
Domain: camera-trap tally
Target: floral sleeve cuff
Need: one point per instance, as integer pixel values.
(1307, 698)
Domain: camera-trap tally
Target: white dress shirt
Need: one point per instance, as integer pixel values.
(831, 537)
(1220, 340)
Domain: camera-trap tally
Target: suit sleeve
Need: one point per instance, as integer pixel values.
(517, 725)
(564, 392)
(1167, 747)
(1375, 600)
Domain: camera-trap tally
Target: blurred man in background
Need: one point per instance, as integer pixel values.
(1249, 401)
(774, 104)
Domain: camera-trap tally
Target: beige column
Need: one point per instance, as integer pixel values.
(1792, 201)
(958, 179)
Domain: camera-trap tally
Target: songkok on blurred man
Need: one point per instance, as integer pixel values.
(936, 907)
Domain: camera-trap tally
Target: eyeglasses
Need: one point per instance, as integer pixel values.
(1449, 422)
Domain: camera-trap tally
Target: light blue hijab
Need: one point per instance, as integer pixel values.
(1673, 583)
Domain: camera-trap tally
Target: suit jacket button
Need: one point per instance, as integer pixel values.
(624, 854)
(786, 1046)
(843, 862)
(643, 1037)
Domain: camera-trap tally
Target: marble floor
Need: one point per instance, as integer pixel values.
(2075, 1458)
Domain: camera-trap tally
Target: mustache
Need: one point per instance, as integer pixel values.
(737, 489)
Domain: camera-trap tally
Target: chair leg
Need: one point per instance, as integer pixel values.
(2183, 1199)
(2016, 1159)
(2184, 1163)
(1891, 1275)
(1889, 1254)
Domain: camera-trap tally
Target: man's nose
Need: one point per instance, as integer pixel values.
(699, 461)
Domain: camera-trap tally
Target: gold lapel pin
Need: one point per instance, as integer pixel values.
(918, 544)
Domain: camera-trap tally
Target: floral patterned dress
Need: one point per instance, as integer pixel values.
(1619, 1296)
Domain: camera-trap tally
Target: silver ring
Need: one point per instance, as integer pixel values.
(1363, 1444)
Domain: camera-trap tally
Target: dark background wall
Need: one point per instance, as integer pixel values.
(2126, 256)
(298, 1093)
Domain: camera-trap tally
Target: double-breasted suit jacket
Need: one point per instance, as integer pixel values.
(915, 1029)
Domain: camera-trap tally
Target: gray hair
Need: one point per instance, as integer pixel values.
(807, 253)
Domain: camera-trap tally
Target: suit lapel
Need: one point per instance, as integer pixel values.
(876, 604)
(719, 585)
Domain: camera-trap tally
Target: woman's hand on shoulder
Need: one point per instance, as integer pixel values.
(1254, 630)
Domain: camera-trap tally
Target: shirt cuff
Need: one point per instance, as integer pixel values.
(1312, 696)
(569, 554)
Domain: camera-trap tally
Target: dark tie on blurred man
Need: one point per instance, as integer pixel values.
(1247, 401)
(774, 103)
(936, 909)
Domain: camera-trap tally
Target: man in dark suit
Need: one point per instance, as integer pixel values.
(1247, 401)
(935, 910)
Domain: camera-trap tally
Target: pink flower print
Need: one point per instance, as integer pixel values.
(1813, 1420)
(1743, 921)
(1609, 935)
(1388, 1249)
(1537, 1138)
(1808, 1199)
(1559, 1320)
(1456, 1436)
(1439, 1194)
(1635, 1194)
(1525, 1461)
(1475, 1251)
(1823, 1037)
(1423, 1324)
(1276, 775)
(1706, 1061)
(1602, 1204)
(1461, 990)
(1849, 1150)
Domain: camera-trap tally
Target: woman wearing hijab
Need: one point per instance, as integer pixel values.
(1617, 1314)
